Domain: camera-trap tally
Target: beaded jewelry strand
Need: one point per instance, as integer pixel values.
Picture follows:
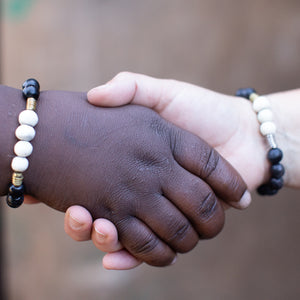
(262, 106)
(25, 133)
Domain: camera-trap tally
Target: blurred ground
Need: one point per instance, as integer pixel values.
(222, 45)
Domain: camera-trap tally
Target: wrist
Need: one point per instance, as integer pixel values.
(286, 107)
(258, 146)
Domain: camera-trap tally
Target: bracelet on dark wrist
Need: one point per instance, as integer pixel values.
(25, 133)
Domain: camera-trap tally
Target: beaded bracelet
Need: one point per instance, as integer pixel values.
(23, 148)
(262, 107)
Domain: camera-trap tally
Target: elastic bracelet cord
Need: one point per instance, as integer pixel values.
(25, 133)
(262, 107)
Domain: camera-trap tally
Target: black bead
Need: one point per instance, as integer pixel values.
(266, 190)
(15, 196)
(276, 183)
(16, 191)
(277, 171)
(31, 82)
(245, 93)
(275, 155)
(31, 91)
(14, 202)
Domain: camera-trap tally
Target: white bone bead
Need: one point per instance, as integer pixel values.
(28, 117)
(265, 115)
(23, 149)
(25, 133)
(19, 164)
(267, 128)
(261, 103)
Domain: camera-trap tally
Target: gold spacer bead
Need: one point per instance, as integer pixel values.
(253, 96)
(31, 104)
(17, 179)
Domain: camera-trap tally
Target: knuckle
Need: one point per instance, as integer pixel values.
(183, 240)
(213, 229)
(145, 246)
(146, 250)
(208, 207)
(236, 187)
(210, 163)
(211, 216)
(179, 232)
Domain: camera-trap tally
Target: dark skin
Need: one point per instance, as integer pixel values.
(159, 184)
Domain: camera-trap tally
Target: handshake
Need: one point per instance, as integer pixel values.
(156, 172)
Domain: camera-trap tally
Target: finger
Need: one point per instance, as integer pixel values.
(168, 223)
(196, 156)
(30, 200)
(140, 89)
(105, 236)
(197, 201)
(121, 260)
(78, 223)
(143, 244)
(225, 205)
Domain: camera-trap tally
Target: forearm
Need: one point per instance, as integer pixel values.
(286, 109)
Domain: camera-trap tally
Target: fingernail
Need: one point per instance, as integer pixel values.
(75, 224)
(96, 90)
(245, 201)
(102, 87)
(101, 237)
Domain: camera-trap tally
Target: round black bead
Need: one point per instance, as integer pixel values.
(31, 92)
(16, 191)
(275, 155)
(277, 171)
(266, 190)
(15, 196)
(31, 82)
(245, 93)
(276, 183)
(14, 202)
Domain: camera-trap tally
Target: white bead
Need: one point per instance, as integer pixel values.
(23, 148)
(265, 115)
(19, 164)
(28, 117)
(267, 128)
(261, 103)
(25, 133)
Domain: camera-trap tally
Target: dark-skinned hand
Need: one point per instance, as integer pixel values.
(158, 184)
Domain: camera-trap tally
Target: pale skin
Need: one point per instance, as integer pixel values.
(226, 123)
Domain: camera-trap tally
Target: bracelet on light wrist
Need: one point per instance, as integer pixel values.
(262, 106)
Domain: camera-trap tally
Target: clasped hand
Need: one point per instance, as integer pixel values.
(158, 184)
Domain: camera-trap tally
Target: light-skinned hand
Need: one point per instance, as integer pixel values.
(226, 123)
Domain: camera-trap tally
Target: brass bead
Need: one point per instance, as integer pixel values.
(253, 96)
(31, 104)
(17, 179)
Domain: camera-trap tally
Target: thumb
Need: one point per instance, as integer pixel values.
(126, 88)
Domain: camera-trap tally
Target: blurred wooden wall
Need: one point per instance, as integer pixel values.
(221, 45)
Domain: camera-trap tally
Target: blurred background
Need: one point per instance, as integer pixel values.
(221, 45)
